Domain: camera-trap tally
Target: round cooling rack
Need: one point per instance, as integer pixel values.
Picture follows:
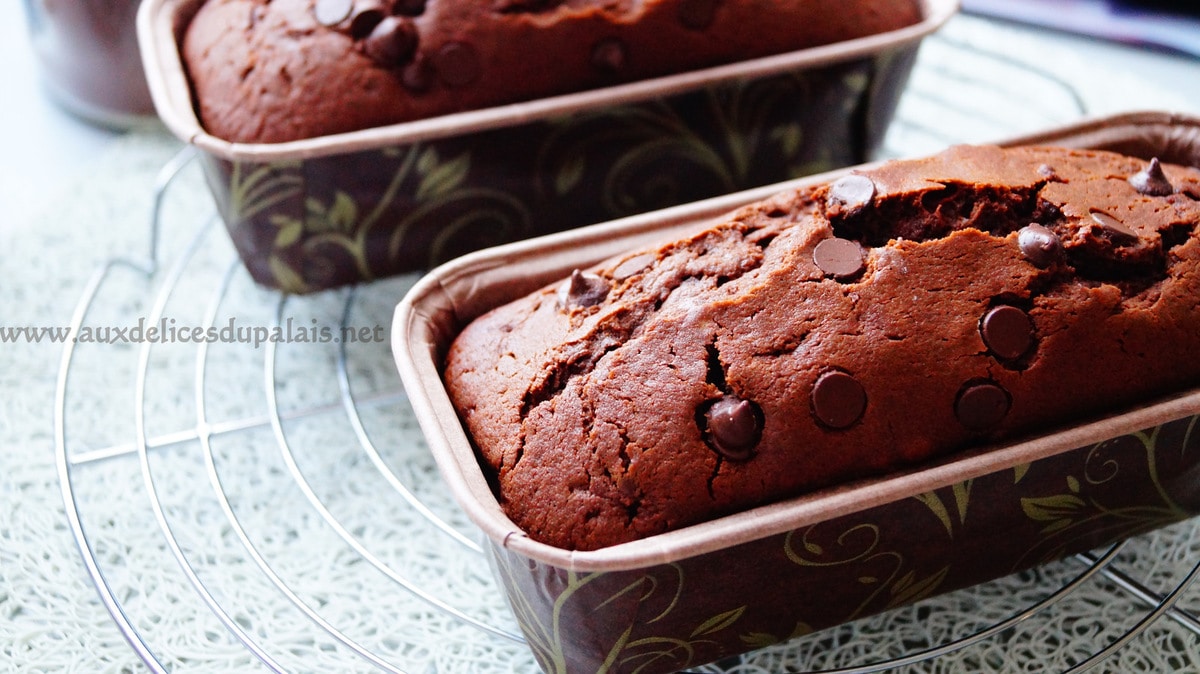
(252, 504)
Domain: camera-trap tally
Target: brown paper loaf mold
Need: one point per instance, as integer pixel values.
(744, 581)
(368, 198)
(834, 332)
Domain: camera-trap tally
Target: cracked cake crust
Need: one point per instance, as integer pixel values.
(1000, 293)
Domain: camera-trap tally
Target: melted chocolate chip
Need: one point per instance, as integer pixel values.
(366, 16)
(1007, 331)
(1039, 245)
(1114, 228)
(1151, 180)
(409, 7)
(981, 406)
(332, 12)
(609, 55)
(417, 76)
(392, 42)
(838, 400)
(698, 14)
(456, 64)
(582, 290)
(840, 258)
(733, 427)
(851, 194)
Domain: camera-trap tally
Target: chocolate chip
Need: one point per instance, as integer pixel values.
(698, 14)
(1007, 331)
(332, 12)
(392, 42)
(409, 7)
(838, 400)
(456, 64)
(981, 406)
(417, 76)
(632, 266)
(1113, 227)
(608, 55)
(366, 16)
(1151, 180)
(733, 427)
(839, 258)
(582, 290)
(851, 194)
(1039, 245)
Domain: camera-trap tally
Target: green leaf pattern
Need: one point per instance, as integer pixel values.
(625, 654)
(1058, 510)
(961, 497)
(719, 622)
(1073, 514)
(911, 588)
(569, 174)
(858, 546)
(289, 230)
(341, 222)
(651, 134)
(255, 188)
(595, 164)
(439, 179)
(881, 574)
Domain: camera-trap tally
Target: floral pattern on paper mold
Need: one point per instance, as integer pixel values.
(749, 596)
(321, 222)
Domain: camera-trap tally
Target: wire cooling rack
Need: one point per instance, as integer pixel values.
(262, 506)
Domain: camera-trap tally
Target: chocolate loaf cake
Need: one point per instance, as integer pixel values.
(266, 71)
(833, 333)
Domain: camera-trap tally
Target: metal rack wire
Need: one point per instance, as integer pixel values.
(240, 503)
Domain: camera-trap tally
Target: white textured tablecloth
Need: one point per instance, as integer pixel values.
(50, 616)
